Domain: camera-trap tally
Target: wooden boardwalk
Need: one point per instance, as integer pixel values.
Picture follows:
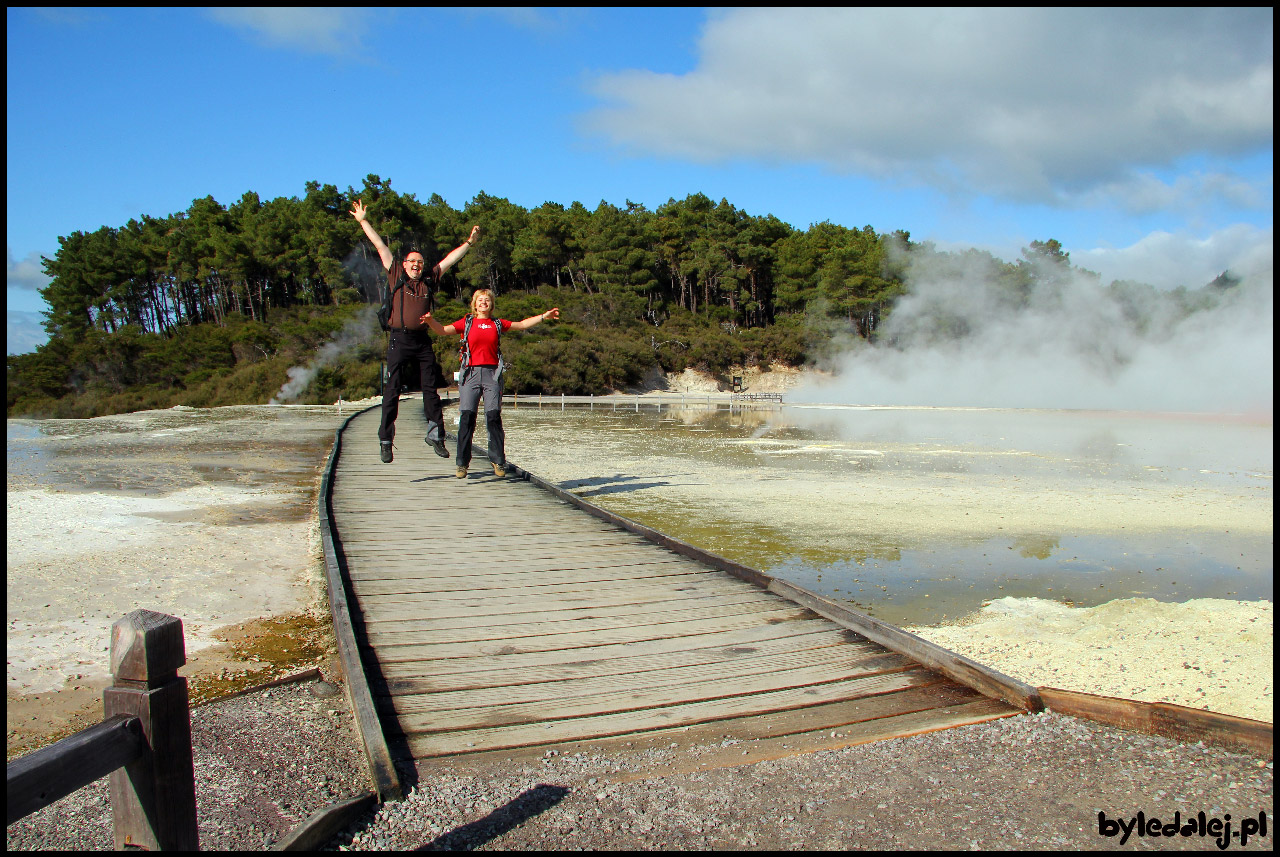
(492, 613)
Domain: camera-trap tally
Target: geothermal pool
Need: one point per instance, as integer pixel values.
(922, 515)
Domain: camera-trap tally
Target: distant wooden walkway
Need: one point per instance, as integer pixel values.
(494, 613)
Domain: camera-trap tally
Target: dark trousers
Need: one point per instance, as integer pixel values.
(405, 351)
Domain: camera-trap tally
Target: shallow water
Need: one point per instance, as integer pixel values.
(156, 452)
(922, 515)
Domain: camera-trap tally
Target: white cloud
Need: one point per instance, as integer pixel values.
(530, 19)
(1043, 105)
(1143, 193)
(24, 332)
(1167, 260)
(69, 15)
(332, 30)
(27, 274)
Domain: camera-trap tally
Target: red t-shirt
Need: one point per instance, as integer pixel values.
(483, 339)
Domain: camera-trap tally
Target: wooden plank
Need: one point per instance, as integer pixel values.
(532, 630)
(1163, 718)
(701, 681)
(499, 561)
(324, 824)
(656, 668)
(51, 773)
(555, 594)
(417, 540)
(502, 559)
(511, 607)
(612, 574)
(618, 616)
(382, 770)
(365, 568)
(425, 742)
(805, 686)
(678, 647)
(618, 571)
(367, 573)
(464, 558)
(400, 652)
(519, 500)
(481, 537)
(840, 715)
(371, 562)
(656, 706)
(535, 582)
(393, 610)
(792, 741)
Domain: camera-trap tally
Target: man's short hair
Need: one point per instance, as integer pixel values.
(417, 243)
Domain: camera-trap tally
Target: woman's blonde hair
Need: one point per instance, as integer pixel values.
(477, 293)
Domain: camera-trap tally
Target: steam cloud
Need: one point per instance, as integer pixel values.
(955, 340)
(361, 329)
(358, 330)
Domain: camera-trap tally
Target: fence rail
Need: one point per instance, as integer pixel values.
(757, 397)
(143, 744)
(50, 774)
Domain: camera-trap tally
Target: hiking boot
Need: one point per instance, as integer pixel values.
(462, 473)
(386, 451)
(438, 446)
(499, 469)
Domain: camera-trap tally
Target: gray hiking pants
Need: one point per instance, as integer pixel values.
(477, 384)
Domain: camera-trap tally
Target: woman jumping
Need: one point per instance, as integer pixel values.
(480, 377)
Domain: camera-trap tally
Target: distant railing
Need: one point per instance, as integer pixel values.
(143, 744)
(635, 401)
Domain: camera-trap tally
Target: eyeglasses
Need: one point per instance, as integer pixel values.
(414, 262)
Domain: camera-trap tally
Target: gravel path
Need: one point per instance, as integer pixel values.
(1026, 782)
(266, 761)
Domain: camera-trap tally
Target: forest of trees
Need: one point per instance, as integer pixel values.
(211, 261)
(215, 304)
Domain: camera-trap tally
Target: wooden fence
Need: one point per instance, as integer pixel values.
(143, 744)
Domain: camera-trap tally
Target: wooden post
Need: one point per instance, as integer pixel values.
(153, 800)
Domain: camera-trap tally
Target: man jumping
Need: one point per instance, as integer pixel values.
(412, 296)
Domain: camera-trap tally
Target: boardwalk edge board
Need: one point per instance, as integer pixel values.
(1163, 718)
(381, 769)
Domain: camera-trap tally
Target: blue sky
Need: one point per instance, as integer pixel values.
(1140, 139)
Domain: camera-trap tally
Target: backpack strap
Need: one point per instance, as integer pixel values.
(394, 284)
(464, 351)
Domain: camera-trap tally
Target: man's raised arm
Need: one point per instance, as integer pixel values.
(458, 252)
(358, 212)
